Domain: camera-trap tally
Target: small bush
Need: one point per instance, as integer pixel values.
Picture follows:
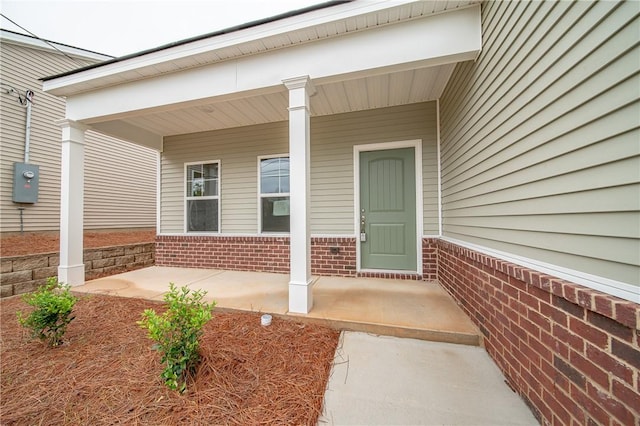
(177, 332)
(53, 303)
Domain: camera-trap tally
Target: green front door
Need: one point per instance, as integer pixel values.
(388, 210)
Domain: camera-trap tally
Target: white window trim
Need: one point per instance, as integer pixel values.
(260, 195)
(416, 144)
(210, 197)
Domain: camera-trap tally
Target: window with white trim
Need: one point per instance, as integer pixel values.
(202, 197)
(274, 194)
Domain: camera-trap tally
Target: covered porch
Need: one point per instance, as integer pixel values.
(323, 62)
(400, 308)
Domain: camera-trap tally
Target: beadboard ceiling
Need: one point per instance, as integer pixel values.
(378, 91)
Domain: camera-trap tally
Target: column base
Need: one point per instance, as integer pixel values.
(72, 275)
(300, 297)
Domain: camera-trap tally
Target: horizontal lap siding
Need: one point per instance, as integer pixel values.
(120, 184)
(237, 149)
(21, 68)
(332, 174)
(540, 152)
(119, 177)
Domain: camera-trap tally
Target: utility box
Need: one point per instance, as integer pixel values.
(25, 183)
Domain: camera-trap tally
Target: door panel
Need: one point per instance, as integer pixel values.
(388, 209)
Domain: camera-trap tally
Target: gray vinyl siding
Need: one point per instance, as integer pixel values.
(119, 177)
(332, 176)
(332, 173)
(120, 184)
(540, 137)
(237, 150)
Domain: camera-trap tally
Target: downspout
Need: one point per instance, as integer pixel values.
(27, 134)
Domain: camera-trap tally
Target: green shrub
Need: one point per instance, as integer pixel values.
(177, 332)
(53, 303)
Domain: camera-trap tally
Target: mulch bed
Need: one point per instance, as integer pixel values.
(45, 242)
(107, 373)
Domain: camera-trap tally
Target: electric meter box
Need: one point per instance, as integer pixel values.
(25, 183)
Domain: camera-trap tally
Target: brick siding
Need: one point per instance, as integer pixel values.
(341, 262)
(571, 352)
(261, 254)
(22, 274)
(334, 256)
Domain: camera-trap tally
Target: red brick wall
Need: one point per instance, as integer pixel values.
(571, 352)
(271, 254)
(264, 254)
(430, 258)
(324, 262)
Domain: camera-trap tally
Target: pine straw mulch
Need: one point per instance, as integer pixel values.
(107, 373)
(46, 242)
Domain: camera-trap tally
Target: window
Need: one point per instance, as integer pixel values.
(274, 194)
(202, 197)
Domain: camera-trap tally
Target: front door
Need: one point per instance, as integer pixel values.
(388, 210)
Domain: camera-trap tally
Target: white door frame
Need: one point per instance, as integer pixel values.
(416, 144)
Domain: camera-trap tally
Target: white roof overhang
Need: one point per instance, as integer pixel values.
(359, 55)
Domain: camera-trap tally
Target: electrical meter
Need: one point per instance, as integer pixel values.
(25, 183)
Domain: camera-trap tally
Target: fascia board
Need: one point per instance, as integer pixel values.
(435, 40)
(281, 27)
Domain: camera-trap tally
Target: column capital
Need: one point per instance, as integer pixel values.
(302, 82)
(67, 123)
(72, 131)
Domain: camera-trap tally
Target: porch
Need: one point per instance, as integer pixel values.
(416, 309)
(250, 122)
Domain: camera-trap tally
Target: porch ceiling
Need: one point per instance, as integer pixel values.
(356, 55)
(379, 91)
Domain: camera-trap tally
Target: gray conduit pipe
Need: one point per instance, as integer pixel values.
(27, 133)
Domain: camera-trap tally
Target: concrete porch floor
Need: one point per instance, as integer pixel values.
(374, 379)
(415, 309)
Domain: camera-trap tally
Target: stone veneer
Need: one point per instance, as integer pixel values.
(21, 274)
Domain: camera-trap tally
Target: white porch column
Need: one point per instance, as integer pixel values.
(300, 292)
(71, 269)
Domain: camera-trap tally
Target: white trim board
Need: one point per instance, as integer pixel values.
(158, 192)
(416, 144)
(439, 168)
(615, 288)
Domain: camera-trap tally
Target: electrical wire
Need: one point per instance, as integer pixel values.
(9, 89)
(35, 36)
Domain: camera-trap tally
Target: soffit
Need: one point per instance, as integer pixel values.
(399, 88)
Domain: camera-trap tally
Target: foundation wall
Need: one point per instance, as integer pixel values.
(334, 256)
(571, 352)
(329, 256)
